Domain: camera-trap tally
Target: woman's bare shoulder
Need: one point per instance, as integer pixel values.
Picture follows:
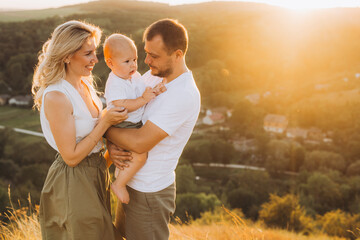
(56, 100)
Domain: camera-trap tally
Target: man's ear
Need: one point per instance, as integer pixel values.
(179, 53)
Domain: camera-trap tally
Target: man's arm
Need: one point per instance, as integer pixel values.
(137, 140)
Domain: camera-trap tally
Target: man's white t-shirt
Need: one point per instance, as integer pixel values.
(175, 112)
(117, 88)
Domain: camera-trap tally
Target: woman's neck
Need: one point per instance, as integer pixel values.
(74, 80)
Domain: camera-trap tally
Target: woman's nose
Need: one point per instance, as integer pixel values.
(95, 59)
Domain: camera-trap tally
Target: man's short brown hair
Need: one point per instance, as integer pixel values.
(173, 33)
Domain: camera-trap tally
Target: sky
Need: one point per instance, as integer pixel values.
(292, 4)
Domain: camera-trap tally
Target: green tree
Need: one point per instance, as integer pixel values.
(321, 193)
(353, 149)
(192, 205)
(297, 158)
(185, 179)
(5, 138)
(221, 151)
(353, 169)
(247, 118)
(24, 153)
(209, 151)
(8, 169)
(34, 173)
(324, 161)
(198, 151)
(278, 157)
(248, 190)
(241, 198)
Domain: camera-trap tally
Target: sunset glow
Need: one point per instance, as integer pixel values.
(290, 4)
(312, 4)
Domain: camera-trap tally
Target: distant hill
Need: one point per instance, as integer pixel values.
(91, 7)
(23, 15)
(11, 15)
(235, 47)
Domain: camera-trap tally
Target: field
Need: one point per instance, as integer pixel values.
(17, 16)
(24, 118)
(24, 224)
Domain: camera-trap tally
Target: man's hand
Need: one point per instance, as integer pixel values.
(119, 156)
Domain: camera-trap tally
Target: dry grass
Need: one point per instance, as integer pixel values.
(232, 232)
(236, 228)
(23, 224)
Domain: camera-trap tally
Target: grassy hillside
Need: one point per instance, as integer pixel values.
(17, 16)
(24, 225)
(91, 7)
(24, 118)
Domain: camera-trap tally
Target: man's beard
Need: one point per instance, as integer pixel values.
(164, 73)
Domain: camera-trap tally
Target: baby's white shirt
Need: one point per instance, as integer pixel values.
(117, 88)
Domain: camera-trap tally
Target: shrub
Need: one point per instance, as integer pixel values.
(340, 224)
(285, 212)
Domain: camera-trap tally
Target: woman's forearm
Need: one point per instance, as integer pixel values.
(85, 146)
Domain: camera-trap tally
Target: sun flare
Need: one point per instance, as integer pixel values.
(312, 4)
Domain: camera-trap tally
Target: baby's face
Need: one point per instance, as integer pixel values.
(124, 62)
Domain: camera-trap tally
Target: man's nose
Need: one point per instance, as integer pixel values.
(147, 59)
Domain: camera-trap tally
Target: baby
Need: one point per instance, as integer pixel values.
(124, 88)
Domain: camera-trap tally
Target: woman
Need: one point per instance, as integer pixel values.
(74, 202)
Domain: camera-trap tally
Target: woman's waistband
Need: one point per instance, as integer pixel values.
(93, 160)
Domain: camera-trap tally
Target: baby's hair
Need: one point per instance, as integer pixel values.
(115, 42)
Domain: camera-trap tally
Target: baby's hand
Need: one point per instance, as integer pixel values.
(148, 94)
(160, 88)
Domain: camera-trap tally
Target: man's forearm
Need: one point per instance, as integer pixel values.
(139, 140)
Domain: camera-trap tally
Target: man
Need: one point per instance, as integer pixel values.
(168, 123)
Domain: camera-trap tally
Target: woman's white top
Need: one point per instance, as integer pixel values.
(84, 122)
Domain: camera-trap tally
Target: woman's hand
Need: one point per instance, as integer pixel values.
(119, 156)
(114, 115)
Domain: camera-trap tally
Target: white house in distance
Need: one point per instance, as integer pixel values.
(20, 100)
(253, 98)
(216, 115)
(275, 123)
(213, 118)
(296, 132)
(243, 144)
(3, 99)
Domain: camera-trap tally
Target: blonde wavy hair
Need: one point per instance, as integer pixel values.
(66, 39)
